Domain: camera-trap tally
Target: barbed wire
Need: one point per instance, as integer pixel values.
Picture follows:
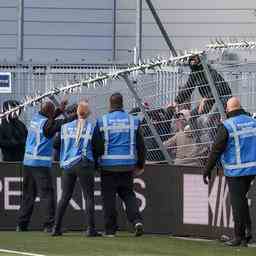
(100, 79)
(220, 44)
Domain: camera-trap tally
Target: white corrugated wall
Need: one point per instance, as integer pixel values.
(82, 29)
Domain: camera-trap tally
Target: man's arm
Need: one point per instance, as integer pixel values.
(141, 149)
(218, 148)
(98, 147)
(171, 142)
(7, 142)
(223, 87)
(52, 126)
(57, 142)
(186, 91)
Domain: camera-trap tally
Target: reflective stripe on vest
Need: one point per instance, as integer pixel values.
(237, 143)
(37, 157)
(118, 128)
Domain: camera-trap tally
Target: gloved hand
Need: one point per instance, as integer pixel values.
(206, 176)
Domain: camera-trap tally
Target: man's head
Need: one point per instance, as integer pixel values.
(182, 119)
(48, 109)
(233, 104)
(195, 63)
(72, 109)
(83, 110)
(116, 101)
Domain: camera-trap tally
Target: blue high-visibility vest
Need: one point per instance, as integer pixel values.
(72, 152)
(119, 129)
(239, 157)
(38, 150)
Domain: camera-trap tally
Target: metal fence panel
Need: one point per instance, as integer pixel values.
(187, 133)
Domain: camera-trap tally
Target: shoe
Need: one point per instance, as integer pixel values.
(236, 242)
(92, 233)
(21, 229)
(248, 234)
(224, 238)
(56, 232)
(109, 234)
(248, 238)
(139, 229)
(48, 229)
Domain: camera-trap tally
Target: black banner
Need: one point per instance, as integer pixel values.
(172, 199)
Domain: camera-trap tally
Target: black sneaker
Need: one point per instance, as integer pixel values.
(138, 229)
(92, 233)
(48, 229)
(224, 238)
(109, 234)
(236, 242)
(56, 232)
(21, 229)
(248, 238)
(248, 235)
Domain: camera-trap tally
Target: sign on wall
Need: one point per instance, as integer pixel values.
(203, 205)
(5, 82)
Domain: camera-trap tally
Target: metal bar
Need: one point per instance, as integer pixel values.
(212, 86)
(148, 120)
(114, 31)
(20, 46)
(139, 32)
(161, 27)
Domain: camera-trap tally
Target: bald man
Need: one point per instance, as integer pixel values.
(37, 165)
(76, 159)
(235, 147)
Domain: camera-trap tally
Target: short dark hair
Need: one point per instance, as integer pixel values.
(116, 100)
(48, 108)
(71, 108)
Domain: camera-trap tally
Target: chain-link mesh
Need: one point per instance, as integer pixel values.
(179, 101)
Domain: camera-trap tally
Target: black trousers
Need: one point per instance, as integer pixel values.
(238, 189)
(85, 176)
(37, 180)
(121, 183)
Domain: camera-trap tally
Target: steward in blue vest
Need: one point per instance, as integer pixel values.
(72, 152)
(39, 148)
(37, 163)
(235, 147)
(120, 151)
(76, 159)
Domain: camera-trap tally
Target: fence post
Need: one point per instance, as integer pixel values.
(212, 86)
(148, 120)
(114, 31)
(139, 31)
(161, 27)
(20, 46)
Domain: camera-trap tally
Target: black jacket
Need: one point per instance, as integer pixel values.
(13, 136)
(197, 78)
(220, 143)
(52, 126)
(99, 147)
